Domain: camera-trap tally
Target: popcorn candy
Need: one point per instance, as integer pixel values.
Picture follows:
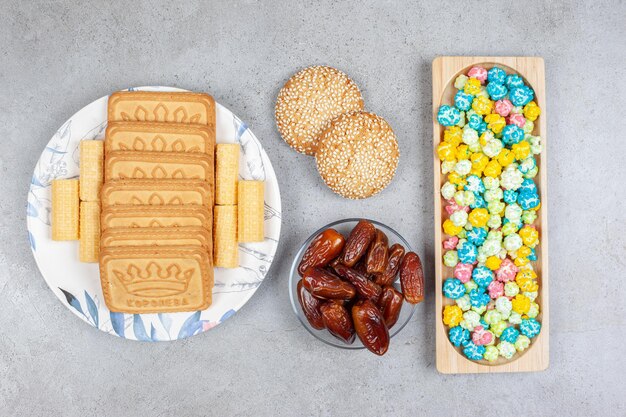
(491, 353)
(481, 336)
(472, 351)
(472, 86)
(511, 179)
(515, 318)
(479, 73)
(474, 184)
(513, 81)
(506, 157)
(532, 111)
(479, 161)
(520, 96)
(463, 272)
(517, 119)
(535, 143)
(450, 243)
(529, 126)
(506, 349)
(469, 136)
(478, 217)
(446, 151)
(467, 253)
(521, 150)
(493, 169)
(493, 317)
(491, 183)
(495, 289)
(496, 75)
(463, 167)
(520, 304)
(450, 258)
(492, 148)
(452, 206)
(459, 218)
(512, 242)
(470, 320)
(447, 166)
(533, 311)
(460, 81)
(529, 235)
(531, 295)
(504, 305)
(503, 107)
(511, 289)
(478, 298)
(511, 134)
(494, 221)
(453, 288)
(513, 212)
(474, 120)
(463, 302)
(464, 198)
(448, 116)
(448, 190)
(510, 334)
(462, 152)
(452, 315)
(458, 335)
(528, 164)
(482, 105)
(453, 135)
(482, 276)
(522, 343)
(493, 262)
(497, 91)
(477, 235)
(528, 200)
(529, 328)
(463, 101)
(450, 228)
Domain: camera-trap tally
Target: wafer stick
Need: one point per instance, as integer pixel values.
(225, 249)
(65, 206)
(226, 173)
(89, 245)
(91, 156)
(250, 214)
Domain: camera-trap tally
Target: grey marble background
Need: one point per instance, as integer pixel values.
(57, 56)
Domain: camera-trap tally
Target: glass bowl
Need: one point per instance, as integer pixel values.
(344, 227)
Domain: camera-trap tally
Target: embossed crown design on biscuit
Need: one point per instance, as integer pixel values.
(158, 172)
(159, 144)
(155, 280)
(161, 113)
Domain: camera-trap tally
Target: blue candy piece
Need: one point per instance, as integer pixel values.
(453, 288)
(484, 324)
(467, 253)
(510, 196)
(496, 91)
(528, 185)
(530, 327)
(474, 184)
(479, 201)
(511, 134)
(528, 199)
(510, 334)
(514, 81)
(463, 101)
(496, 75)
(481, 129)
(474, 121)
(458, 335)
(482, 276)
(533, 255)
(472, 351)
(520, 224)
(479, 298)
(477, 235)
(521, 96)
(448, 116)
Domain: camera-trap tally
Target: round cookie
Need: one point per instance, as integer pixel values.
(309, 101)
(357, 155)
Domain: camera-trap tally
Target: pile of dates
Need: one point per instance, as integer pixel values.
(347, 285)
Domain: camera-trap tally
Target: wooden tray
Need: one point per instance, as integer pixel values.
(450, 360)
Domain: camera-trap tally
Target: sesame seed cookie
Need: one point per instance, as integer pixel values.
(357, 155)
(309, 101)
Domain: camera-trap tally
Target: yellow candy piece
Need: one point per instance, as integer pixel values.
(452, 315)
(493, 262)
(524, 251)
(482, 105)
(493, 169)
(455, 178)
(530, 236)
(532, 111)
(527, 285)
(506, 157)
(521, 304)
(495, 122)
(446, 151)
(462, 152)
(525, 274)
(521, 150)
(472, 86)
(453, 135)
(479, 217)
(519, 261)
(476, 172)
(479, 161)
(450, 228)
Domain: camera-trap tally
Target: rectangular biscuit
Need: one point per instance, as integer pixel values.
(167, 107)
(65, 208)
(89, 244)
(156, 216)
(162, 279)
(159, 137)
(225, 247)
(122, 165)
(157, 192)
(158, 236)
(91, 157)
(226, 173)
(250, 213)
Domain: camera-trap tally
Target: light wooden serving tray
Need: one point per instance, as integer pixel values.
(450, 360)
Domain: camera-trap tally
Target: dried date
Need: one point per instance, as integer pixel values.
(326, 285)
(358, 242)
(311, 307)
(370, 326)
(378, 253)
(324, 248)
(338, 321)
(412, 278)
(364, 287)
(390, 305)
(396, 253)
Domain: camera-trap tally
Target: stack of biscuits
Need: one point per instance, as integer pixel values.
(157, 202)
(319, 112)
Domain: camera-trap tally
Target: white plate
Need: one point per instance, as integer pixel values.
(77, 284)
